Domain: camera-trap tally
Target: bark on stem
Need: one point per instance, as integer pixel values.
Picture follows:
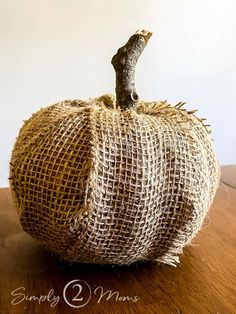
(124, 62)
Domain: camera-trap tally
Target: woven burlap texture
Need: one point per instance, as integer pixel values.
(98, 185)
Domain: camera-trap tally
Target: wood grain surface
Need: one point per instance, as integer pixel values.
(228, 176)
(204, 282)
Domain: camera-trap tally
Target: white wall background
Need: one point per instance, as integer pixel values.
(60, 49)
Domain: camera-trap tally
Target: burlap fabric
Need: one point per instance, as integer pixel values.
(98, 185)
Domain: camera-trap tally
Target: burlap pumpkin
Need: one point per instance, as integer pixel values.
(95, 183)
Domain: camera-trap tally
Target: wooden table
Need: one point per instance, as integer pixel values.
(204, 282)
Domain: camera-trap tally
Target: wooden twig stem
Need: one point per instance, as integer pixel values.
(124, 62)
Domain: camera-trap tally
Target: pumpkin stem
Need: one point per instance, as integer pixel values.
(124, 62)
